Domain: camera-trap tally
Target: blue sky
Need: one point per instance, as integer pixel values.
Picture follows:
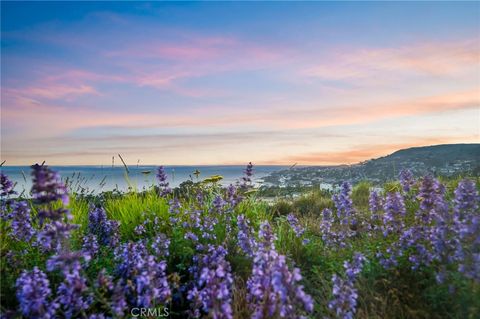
(222, 82)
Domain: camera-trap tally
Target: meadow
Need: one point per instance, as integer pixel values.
(409, 250)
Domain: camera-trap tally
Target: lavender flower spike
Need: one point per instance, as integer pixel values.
(33, 292)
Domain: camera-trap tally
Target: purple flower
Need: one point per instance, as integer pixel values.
(163, 182)
(105, 230)
(232, 197)
(293, 221)
(395, 212)
(344, 204)
(466, 199)
(73, 296)
(191, 236)
(90, 245)
(273, 289)
(246, 241)
(431, 199)
(21, 222)
(246, 182)
(344, 302)
(143, 278)
(160, 245)
(54, 236)
(467, 229)
(47, 186)
(333, 233)
(33, 292)
(375, 202)
(212, 293)
(69, 263)
(407, 180)
(6, 186)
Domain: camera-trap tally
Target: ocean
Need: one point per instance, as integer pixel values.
(97, 179)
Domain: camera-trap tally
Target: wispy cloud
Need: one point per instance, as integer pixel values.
(433, 59)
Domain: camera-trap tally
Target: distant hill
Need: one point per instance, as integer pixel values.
(446, 160)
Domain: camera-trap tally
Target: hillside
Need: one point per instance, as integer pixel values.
(444, 160)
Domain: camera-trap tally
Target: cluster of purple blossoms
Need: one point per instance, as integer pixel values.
(232, 197)
(142, 276)
(344, 204)
(47, 186)
(245, 238)
(212, 293)
(375, 203)
(274, 290)
(47, 189)
(344, 302)
(6, 186)
(73, 295)
(33, 292)
(297, 228)
(431, 198)
(21, 222)
(174, 209)
(394, 215)
(407, 180)
(467, 229)
(218, 205)
(90, 245)
(113, 293)
(246, 182)
(160, 245)
(163, 182)
(105, 230)
(333, 233)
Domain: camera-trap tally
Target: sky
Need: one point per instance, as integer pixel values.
(227, 82)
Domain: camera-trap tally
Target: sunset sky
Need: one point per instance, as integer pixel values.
(228, 83)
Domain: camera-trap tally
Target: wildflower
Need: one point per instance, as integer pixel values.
(6, 186)
(232, 197)
(47, 186)
(293, 221)
(160, 245)
(466, 199)
(345, 294)
(407, 180)
(69, 263)
(344, 204)
(191, 236)
(163, 181)
(139, 230)
(90, 245)
(54, 235)
(33, 292)
(273, 289)
(213, 290)
(245, 239)
(247, 178)
(330, 235)
(394, 208)
(143, 278)
(375, 202)
(21, 222)
(105, 230)
(174, 209)
(73, 296)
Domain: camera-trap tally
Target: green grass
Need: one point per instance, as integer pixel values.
(397, 293)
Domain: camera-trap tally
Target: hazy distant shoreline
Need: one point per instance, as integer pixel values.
(107, 178)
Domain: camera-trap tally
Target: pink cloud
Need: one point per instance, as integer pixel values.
(436, 59)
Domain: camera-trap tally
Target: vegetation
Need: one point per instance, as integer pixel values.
(409, 250)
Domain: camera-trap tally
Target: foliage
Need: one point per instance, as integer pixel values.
(408, 250)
